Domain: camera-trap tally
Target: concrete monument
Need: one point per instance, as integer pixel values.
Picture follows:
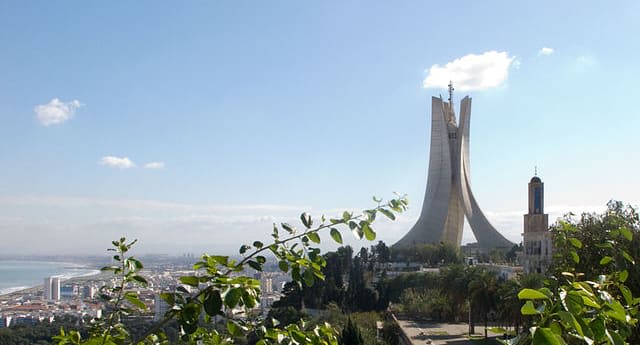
(449, 198)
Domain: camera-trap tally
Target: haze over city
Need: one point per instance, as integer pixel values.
(193, 128)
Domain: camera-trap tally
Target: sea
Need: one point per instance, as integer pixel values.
(17, 274)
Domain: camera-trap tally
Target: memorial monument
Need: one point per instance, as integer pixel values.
(449, 197)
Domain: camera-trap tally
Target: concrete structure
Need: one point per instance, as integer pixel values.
(47, 289)
(51, 289)
(537, 243)
(55, 288)
(448, 198)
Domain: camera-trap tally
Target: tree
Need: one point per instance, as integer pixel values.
(482, 294)
(589, 299)
(219, 285)
(350, 335)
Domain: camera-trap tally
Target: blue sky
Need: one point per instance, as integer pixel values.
(256, 111)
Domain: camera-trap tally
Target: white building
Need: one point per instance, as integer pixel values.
(51, 289)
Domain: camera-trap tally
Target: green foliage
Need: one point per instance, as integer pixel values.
(431, 303)
(589, 299)
(350, 335)
(111, 331)
(219, 285)
(428, 253)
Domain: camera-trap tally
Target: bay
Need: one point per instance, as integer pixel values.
(17, 274)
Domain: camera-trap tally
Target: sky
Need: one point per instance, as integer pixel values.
(194, 126)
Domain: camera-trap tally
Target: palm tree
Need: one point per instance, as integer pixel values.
(508, 305)
(482, 294)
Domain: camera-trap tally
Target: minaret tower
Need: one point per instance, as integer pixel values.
(536, 237)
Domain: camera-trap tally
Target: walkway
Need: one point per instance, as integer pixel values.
(440, 333)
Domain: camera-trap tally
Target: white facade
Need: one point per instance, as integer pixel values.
(55, 289)
(47, 296)
(51, 289)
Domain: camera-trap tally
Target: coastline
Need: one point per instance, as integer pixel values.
(39, 289)
(85, 273)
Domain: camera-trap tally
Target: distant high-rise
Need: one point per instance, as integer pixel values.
(448, 198)
(538, 248)
(51, 289)
(55, 288)
(47, 296)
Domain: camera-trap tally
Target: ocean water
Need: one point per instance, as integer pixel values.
(16, 275)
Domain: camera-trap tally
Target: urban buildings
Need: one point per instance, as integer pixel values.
(449, 198)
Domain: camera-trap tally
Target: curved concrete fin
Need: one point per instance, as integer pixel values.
(486, 235)
(430, 224)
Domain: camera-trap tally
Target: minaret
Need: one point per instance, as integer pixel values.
(536, 237)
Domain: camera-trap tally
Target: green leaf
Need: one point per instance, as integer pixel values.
(369, 234)
(190, 280)
(598, 328)
(626, 293)
(283, 265)
(139, 279)
(308, 278)
(314, 237)
(605, 260)
(531, 294)
(133, 299)
(306, 220)
(190, 313)
(233, 329)
(335, 234)
(387, 213)
(617, 311)
(571, 321)
(529, 309)
(290, 229)
(244, 248)
(346, 216)
(614, 337)
(572, 302)
(623, 275)
(574, 256)
(544, 336)
(256, 266)
(232, 297)
(168, 297)
(213, 303)
(575, 242)
(626, 233)
(136, 263)
(258, 244)
(628, 257)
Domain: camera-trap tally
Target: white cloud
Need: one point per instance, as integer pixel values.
(471, 72)
(154, 165)
(56, 112)
(545, 51)
(117, 162)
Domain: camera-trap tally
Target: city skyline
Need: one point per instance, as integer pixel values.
(193, 128)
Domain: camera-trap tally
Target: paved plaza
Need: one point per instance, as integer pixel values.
(422, 333)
